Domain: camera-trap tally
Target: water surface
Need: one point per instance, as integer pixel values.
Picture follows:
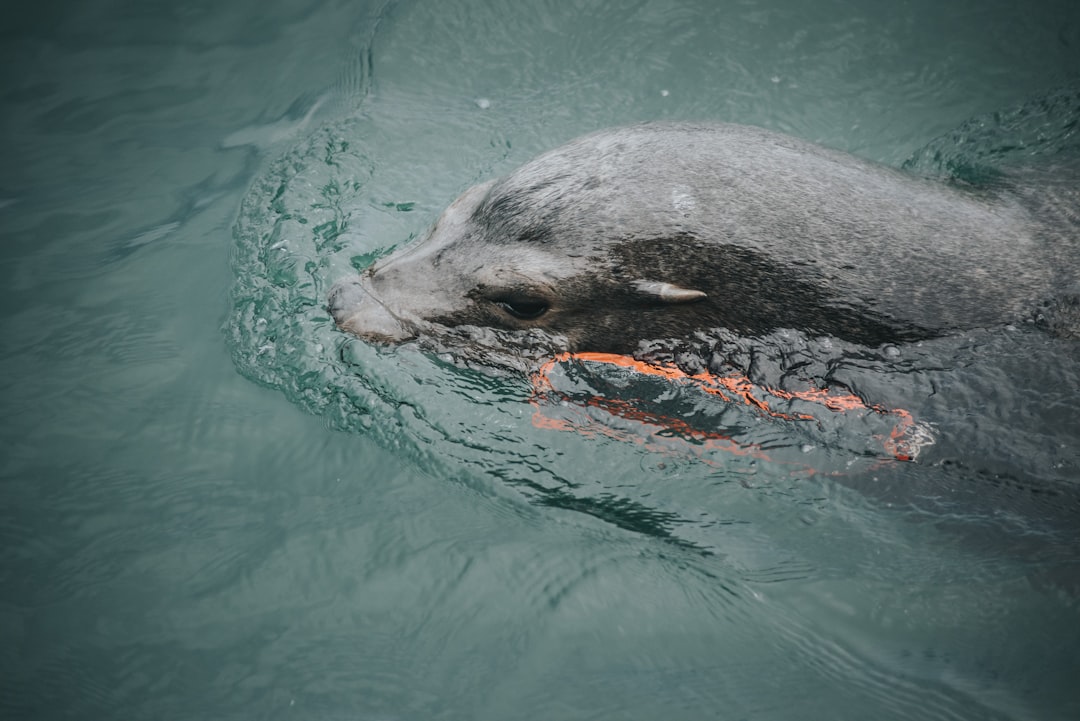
(201, 522)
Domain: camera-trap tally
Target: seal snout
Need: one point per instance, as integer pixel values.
(343, 300)
(355, 310)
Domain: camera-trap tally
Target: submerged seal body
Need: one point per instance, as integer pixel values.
(664, 230)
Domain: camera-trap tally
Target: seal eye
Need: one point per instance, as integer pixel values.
(523, 308)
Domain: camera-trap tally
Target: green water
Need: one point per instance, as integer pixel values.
(215, 506)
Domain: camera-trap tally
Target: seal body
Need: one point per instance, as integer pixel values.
(666, 230)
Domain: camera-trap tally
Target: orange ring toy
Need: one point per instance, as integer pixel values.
(902, 443)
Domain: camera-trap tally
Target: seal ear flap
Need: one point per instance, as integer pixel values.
(666, 292)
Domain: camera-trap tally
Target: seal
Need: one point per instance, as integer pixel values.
(664, 230)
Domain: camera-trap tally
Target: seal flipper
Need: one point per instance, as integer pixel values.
(666, 292)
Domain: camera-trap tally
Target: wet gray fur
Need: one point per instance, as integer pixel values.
(666, 229)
